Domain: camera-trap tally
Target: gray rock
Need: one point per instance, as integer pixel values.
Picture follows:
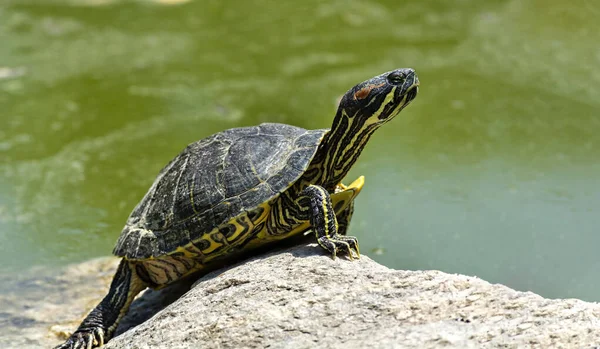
(301, 298)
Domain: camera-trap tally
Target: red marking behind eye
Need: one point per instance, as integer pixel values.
(364, 92)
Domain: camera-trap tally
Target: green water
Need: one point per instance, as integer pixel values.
(493, 171)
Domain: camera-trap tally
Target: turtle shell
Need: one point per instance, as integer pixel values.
(214, 180)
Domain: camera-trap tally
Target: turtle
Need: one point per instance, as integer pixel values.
(243, 188)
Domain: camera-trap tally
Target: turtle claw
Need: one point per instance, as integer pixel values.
(340, 243)
(356, 249)
(86, 339)
(99, 337)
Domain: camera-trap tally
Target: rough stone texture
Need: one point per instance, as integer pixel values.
(300, 298)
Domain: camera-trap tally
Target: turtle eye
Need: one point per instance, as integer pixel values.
(396, 78)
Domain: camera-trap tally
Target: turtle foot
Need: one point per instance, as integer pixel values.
(340, 243)
(84, 339)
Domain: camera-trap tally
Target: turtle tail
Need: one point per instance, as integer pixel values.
(101, 323)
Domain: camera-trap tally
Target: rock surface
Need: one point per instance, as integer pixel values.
(300, 298)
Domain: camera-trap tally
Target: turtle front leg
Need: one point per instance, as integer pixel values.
(100, 324)
(316, 202)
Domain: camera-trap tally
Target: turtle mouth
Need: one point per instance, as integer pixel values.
(412, 93)
(411, 88)
(408, 96)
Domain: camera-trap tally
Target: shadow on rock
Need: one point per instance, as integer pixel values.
(151, 302)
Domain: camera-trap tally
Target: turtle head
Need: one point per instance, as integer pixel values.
(362, 110)
(380, 98)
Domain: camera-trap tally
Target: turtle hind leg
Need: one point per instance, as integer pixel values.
(100, 324)
(316, 203)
